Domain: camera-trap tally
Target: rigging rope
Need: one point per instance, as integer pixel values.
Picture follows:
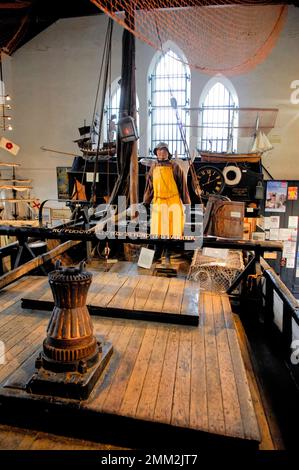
(104, 70)
(107, 62)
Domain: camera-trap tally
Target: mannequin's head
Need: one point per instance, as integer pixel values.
(162, 152)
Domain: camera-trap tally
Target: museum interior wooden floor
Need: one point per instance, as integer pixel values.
(166, 382)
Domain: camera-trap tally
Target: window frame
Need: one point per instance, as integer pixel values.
(231, 123)
(172, 135)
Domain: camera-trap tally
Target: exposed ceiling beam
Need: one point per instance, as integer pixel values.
(14, 5)
(22, 20)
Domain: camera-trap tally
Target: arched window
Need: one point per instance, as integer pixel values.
(218, 117)
(170, 78)
(111, 112)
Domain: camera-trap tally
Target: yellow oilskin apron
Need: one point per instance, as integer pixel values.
(167, 210)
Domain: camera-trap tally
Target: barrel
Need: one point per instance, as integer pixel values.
(228, 220)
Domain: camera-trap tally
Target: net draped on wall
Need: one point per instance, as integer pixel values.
(219, 38)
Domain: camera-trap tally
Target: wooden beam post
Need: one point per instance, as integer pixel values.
(25, 268)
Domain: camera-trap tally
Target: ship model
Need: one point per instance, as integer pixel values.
(88, 142)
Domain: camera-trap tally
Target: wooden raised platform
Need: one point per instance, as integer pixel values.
(13, 438)
(130, 296)
(165, 385)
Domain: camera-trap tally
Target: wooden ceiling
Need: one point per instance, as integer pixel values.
(21, 20)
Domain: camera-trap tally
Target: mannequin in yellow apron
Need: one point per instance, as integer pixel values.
(166, 188)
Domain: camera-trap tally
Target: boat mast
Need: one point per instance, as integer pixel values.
(130, 21)
(127, 182)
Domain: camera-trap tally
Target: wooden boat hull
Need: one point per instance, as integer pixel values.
(213, 157)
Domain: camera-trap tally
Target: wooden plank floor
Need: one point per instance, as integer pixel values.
(130, 296)
(163, 380)
(13, 438)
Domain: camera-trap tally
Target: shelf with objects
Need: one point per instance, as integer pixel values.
(17, 205)
(18, 209)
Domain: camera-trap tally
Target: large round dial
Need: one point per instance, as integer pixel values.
(211, 180)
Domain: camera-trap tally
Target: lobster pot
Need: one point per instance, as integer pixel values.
(228, 220)
(216, 274)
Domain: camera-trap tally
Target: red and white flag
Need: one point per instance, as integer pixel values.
(9, 146)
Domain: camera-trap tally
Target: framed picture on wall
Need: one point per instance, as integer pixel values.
(276, 196)
(62, 182)
(292, 193)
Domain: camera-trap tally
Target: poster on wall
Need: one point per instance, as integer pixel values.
(292, 193)
(276, 196)
(285, 234)
(274, 233)
(289, 252)
(272, 222)
(62, 182)
(293, 221)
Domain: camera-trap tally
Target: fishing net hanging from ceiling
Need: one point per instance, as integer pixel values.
(218, 38)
